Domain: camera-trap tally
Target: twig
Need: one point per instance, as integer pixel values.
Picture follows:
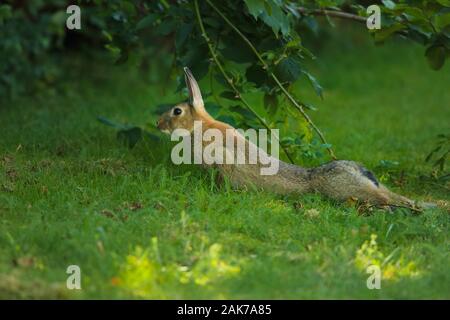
(383, 207)
(406, 207)
(332, 13)
(341, 15)
(298, 106)
(230, 81)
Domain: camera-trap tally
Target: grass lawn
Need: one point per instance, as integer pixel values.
(140, 227)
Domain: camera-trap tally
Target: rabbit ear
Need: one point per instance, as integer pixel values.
(194, 91)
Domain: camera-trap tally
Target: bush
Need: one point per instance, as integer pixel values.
(29, 33)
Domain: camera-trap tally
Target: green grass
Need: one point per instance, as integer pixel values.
(140, 227)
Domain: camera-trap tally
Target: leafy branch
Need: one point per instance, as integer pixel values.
(228, 79)
(297, 105)
(261, 49)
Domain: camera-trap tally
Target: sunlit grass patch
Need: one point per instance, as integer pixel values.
(369, 254)
(277, 206)
(145, 276)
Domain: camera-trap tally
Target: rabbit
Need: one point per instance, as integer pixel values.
(340, 179)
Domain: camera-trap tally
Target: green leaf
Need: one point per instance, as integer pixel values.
(242, 111)
(5, 11)
(384, 33)
(257, 75)
(229, 119)
(166, 27)
(270, 103)
(442, 20)
(288, 70)
(236, 51)
(212, 22)
(445, 3)
(388, 4)
(315, 84)
(119, 16)
(271, 12)
(182, 34)
(277, 19)
(146, 22)
(417, 34)
(213, 109)
(417, 13)
(110, 123)
(436, 56)
(194, 57)
(255, 7)
(130, 136)
(268, 8)
(309, 106)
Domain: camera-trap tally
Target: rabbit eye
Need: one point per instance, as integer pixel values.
(177, 111)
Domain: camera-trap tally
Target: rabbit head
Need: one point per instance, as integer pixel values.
(183, 115)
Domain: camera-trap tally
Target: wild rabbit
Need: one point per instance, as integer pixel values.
(340, 180)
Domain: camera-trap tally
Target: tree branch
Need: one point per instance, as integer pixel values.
(341, 15)
(331, 13)
(298, 106)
